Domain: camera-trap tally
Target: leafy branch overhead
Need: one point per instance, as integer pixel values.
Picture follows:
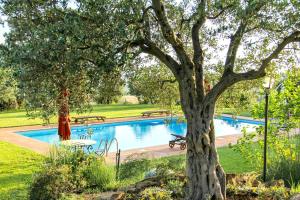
(186, 51)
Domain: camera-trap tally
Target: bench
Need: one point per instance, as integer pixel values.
(155, 112)
(82, 119)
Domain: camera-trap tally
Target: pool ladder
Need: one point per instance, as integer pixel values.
(105, 146)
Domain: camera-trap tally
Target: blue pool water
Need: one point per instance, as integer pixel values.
(141, 133)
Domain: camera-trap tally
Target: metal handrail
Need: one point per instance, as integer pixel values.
(107, 146)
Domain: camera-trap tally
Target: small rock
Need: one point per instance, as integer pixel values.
(128, 189)
(256, 183)
(146, 183)
(110, 196)
(117, 196)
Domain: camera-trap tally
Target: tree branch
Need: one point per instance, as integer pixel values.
(163, 82)
(231, 78)
(233, 48)
(149, 47)
(220, 13)
(169, 34)
(198, 56)
(238, 35)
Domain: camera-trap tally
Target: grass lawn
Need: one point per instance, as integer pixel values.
(232, 111)
(19, 117)
(231, 161)
(16, 169)
(17, 166)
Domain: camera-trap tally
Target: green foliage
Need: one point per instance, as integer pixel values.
(177, 188)
(68, 171)
(54, 47)
(109, 88)
(260, 192)
(247, 186)
(240, 97)
(134, 168)
(155, 85)
(99, 175)
(284, 107)
(18, 165)
(283, 157)
(283, 154)
(287, 166)
(155, 193)
(52, 183)
(8, 88)
(295, 189)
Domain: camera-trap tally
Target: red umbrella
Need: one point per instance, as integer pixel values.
(64, 128)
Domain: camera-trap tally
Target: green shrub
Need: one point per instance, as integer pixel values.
(286, 168)
(98, 175)
(68, 172)
(176, 163)
(155, 193)
(247, 186)
(177, 188)
(283, 160)
(295, 189)
(134, 168)
(51, 184)
(65, 156)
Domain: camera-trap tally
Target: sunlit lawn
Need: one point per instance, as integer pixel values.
(16, 169)
(19, 117)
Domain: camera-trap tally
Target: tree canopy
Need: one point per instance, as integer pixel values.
(56, 46)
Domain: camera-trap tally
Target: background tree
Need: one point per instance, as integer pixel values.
(154, 84)
(57, 54)
(283, 160)
(8, 88)
(109, 88)
(190, 38)
(284, 109)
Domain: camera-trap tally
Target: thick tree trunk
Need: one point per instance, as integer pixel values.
(206, 178)
(64, 128)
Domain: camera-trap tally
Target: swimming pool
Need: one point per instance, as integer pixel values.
(141, 133)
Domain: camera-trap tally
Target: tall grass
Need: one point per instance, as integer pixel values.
(287, 168)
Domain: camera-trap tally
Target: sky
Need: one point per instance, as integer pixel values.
(3, 29)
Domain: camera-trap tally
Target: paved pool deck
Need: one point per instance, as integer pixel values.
(10, 135)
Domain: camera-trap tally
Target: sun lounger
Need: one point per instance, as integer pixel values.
(179, 140)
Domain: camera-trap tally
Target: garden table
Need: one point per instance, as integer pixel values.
(88, 144)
